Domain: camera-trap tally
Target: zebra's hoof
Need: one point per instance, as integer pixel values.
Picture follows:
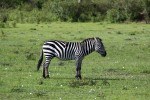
(46, 77)
(78, 77)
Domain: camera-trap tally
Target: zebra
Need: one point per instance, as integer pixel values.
(69, 51)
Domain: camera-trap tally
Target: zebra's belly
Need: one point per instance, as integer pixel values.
(66, 56)
(69, 57)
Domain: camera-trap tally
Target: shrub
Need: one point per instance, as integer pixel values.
(84, 17)
(114, 15)
(2, 25)
(66, 10)
(135, 7)
(14, 24)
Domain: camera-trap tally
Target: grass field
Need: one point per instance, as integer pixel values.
(124, 74)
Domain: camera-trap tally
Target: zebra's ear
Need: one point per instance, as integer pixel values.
(98, 38)
(95, 38)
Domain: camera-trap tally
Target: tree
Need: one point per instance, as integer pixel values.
(80, 1)
(146, 11)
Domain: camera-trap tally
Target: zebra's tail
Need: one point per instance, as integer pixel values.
(40, 61)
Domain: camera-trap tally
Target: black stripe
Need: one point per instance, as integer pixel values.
(48, 49)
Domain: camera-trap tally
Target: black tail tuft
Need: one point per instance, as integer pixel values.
(40, 61)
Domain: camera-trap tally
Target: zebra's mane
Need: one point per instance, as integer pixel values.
(85, 40)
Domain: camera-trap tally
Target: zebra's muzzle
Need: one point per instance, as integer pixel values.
(103, 54)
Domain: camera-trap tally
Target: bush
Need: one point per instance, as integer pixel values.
(135, 7)
(2, 25)
(114, 15)
(66, 10)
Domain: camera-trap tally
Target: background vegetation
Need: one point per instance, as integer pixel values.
(35, 11)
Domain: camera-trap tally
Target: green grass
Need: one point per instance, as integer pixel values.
(123, 75)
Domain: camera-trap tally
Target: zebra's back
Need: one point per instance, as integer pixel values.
(62, 50)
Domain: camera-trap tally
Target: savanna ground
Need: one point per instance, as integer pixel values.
(124, 74)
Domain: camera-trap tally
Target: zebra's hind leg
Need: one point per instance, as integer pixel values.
(45, 70)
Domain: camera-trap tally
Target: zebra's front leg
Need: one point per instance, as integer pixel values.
(78, 69)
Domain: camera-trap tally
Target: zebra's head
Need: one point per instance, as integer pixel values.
(99, 47)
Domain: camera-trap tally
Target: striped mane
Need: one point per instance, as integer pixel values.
(85, 40)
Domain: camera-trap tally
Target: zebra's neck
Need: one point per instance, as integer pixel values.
(88, 47)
